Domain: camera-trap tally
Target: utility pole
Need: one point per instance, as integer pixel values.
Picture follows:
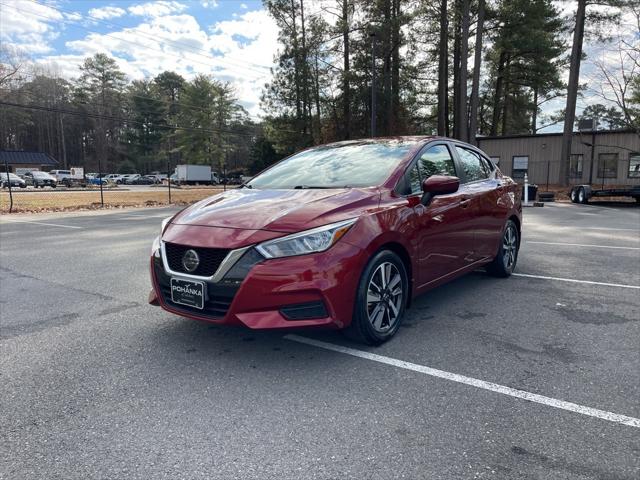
(373, 84)
(593, 152)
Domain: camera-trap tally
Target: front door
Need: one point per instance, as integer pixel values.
(445, 240)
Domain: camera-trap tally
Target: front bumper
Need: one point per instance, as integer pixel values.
(275, 291)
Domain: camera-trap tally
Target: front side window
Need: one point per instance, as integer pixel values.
(356, 164)
(437, 160)
(608, 165)
(472, 164)
(634, 165)
(575, 165)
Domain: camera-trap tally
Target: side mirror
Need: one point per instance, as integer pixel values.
(438, 185)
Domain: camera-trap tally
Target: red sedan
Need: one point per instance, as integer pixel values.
(341, 235)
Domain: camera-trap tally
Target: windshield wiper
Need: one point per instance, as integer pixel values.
(309, 187)
(245, 185)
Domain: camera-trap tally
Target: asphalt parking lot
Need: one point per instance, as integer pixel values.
(534, 377)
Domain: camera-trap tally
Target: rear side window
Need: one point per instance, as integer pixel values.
(437, 160)
(475, 168)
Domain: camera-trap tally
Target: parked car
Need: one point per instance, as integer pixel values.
(143, 180)
(341, 235)
(7, 179)
(112, 177)
(40, 179)
(60, 175)
(154, 178)
(131, 178)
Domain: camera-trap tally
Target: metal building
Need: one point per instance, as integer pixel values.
(616, 157)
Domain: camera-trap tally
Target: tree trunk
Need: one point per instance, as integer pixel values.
(457, 35)
(443, 78)
(386, 73)
(534, 114)
(63, 142)
(477, 64)
(395, 67)
(463, 75)
(296, 59)
(305, 73)
(572, 92)
(497, 97)
(346, 88)
(506, 102)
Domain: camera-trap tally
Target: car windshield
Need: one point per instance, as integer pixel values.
(354, 164)
(41, 174)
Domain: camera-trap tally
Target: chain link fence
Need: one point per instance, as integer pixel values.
(23, 194)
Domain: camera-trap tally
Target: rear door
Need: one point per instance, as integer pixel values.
(484, 188)
(444, 239)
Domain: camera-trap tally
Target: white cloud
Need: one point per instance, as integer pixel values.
(29, 26)
(209, 4)
(157, 9)
(105, 13)
(239, 51)
(243, 6)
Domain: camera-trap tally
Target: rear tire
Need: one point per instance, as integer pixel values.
(505, 261)
(381, 300)
(582, 196)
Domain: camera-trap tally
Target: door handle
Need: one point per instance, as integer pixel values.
(464, 203)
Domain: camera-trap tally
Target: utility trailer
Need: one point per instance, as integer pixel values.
(582, 193)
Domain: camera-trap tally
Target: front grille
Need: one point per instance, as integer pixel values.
(219, 296)
(210, 259)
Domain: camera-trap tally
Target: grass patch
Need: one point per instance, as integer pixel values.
(60, 200)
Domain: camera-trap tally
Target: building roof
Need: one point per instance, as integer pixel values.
(16, 157)
(552, 134)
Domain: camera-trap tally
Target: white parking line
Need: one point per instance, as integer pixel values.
(577, 227)
(573, 280)
(474, 382)
(40, 223)
(582, 245)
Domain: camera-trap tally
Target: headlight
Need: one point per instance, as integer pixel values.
(311, 241)
(165, 222)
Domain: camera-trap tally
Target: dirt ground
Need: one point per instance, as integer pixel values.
(60, 200)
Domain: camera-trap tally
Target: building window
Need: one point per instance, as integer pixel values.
(520, 166)
(634, 165)
(608, 165)
(575, 165)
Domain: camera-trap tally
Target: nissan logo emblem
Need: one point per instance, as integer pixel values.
(190, 260)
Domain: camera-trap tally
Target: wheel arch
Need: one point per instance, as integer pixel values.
(516, 220)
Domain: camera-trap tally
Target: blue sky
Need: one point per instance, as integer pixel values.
(234, 40)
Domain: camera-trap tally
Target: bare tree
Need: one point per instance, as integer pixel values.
(617, 74)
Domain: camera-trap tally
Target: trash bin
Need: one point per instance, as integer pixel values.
(533, 192)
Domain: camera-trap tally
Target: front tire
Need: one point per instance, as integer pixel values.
(381, 299)
(505, 261)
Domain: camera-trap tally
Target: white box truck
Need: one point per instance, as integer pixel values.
(192, 174)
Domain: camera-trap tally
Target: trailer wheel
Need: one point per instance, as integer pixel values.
(573, 196)
(582, 196)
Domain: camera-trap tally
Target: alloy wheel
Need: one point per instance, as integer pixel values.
(509, 247)
(384, 297)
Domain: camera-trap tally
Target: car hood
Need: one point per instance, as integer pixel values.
(279, 210)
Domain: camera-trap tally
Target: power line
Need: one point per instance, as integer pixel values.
(121, 119)
(164, 39)
(260, 74)
(183, 105)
